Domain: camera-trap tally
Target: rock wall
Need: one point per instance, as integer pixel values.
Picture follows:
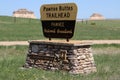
(71, 57)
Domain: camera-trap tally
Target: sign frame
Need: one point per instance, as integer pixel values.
(58, 20)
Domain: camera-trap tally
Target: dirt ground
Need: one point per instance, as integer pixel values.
(10, 43)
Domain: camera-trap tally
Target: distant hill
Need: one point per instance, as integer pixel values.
(19, 29)
(10, 19)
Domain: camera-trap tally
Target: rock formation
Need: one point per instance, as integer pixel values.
(96, 16)
(24, 13)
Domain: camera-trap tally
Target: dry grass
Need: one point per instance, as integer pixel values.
(107, 50)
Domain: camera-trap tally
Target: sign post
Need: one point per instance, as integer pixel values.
(58, 20)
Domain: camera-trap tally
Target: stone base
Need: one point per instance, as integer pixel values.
(74, 57)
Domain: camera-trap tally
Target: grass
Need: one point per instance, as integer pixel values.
(13, 57)
(105, 29)
(22, 29)
(18, 29)
(108, 49)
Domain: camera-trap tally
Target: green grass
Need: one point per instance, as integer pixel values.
(105, 29)
(13, 57)
(22, 29)
(106, 45)
(13, 29)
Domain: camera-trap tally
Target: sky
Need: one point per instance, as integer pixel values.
(108, 8)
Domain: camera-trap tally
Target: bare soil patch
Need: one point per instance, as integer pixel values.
(10, 43)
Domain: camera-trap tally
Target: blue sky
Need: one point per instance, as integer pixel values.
(108, 8)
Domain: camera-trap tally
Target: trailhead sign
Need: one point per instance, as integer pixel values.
(58, 20)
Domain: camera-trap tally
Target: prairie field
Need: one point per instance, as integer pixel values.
(12, 58)
(19, 29)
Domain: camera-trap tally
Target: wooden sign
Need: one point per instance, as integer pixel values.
(58, 20)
